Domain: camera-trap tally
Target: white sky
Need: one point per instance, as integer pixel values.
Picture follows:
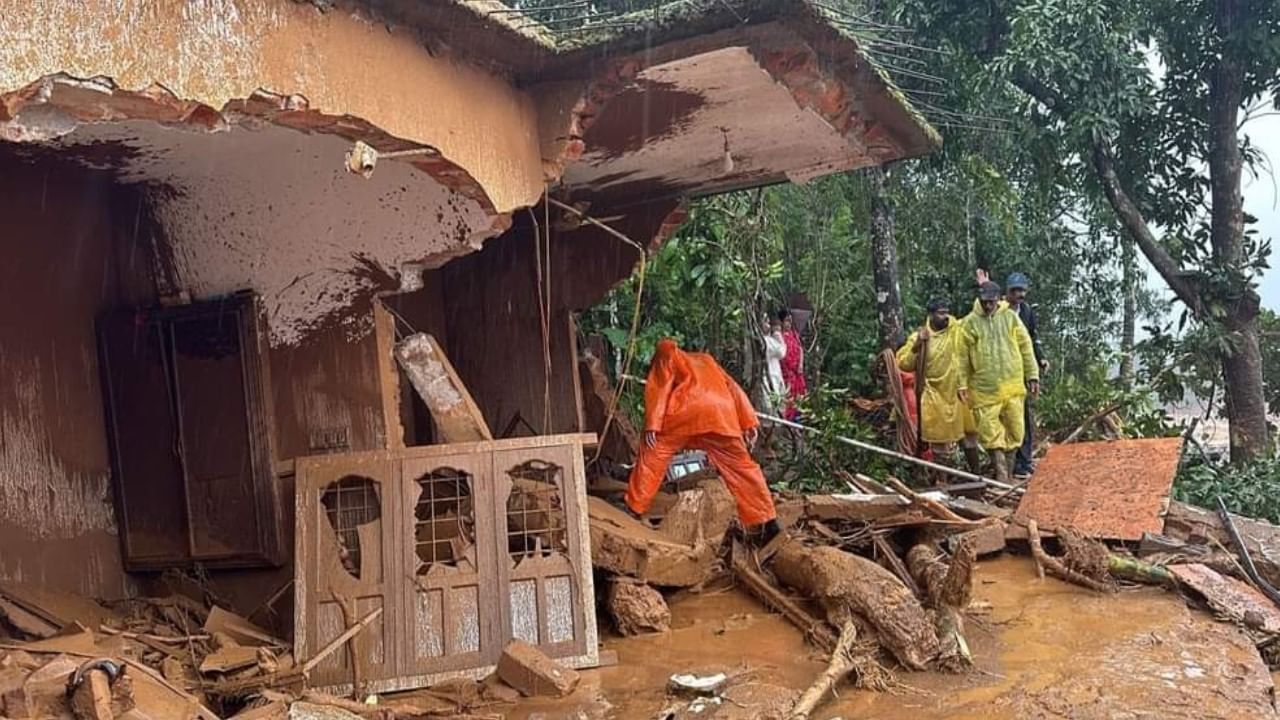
(1262, 200)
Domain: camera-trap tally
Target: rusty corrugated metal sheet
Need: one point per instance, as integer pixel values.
(1114, 490)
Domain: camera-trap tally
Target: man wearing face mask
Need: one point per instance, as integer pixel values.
(1016, 294)
(942, 342)
(998, 371)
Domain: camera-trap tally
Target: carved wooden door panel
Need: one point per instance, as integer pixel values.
(449, 565)
(348, 564)
(540, 519)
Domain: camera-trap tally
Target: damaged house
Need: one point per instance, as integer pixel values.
(222, 216)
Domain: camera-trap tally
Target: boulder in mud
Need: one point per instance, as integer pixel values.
(637, 608)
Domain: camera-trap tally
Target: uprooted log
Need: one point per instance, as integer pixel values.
(1054, 566)
(849, 585)
(948, 589)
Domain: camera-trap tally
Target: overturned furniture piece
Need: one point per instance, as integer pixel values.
(464, 547)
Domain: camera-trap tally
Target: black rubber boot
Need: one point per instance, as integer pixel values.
(973, 460)
(769, 531)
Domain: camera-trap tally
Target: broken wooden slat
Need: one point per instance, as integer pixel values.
(893, 563)
(456, 414)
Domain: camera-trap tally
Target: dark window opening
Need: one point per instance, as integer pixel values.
(444, 527)
(350, 503)
(536, 524)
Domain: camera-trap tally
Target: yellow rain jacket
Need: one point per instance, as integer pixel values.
(999, 358)
(942, 414)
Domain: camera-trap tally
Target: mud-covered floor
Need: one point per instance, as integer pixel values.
(1044, 649)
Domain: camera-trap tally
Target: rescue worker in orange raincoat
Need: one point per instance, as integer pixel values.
(691, 402)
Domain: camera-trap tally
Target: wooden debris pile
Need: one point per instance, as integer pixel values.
(65, 656)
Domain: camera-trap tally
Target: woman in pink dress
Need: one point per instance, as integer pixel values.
(792, 365)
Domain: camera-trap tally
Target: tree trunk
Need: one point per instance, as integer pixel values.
(884, 263)
(1242, 366)
(1129, 266)
(1246, 406)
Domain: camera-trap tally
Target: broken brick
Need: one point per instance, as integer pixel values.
(525, 668)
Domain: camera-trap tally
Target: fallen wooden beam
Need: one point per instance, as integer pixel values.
(455, 413)
(766, 592)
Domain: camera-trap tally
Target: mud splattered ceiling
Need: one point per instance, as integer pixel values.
(265, 207)
(668, 131)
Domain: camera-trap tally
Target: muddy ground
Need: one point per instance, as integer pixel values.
(1043, 649)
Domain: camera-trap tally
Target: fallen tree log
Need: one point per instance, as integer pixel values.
(948, 589)
(849, 585)
(759, 586)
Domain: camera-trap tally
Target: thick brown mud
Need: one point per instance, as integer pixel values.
(1043, 649)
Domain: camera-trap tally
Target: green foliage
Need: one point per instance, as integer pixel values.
(1068, 403)
(1249, 491)
(815, 464)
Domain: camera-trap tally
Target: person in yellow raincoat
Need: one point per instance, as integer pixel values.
(998, 371)
(942, 415)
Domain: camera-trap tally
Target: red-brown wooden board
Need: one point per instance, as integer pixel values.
(1115, 490)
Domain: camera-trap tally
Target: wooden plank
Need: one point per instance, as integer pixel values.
(311, 462)
(455, 412)
(384, 331)
(1115, 490)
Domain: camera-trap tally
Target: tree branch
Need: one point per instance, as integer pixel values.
(1136, 225)
(1130, 216)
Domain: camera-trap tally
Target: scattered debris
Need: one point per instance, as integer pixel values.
(525, 668)
(623, 545)
(1115, 490)
(637, 608)
(1231, 597)
(690, 684)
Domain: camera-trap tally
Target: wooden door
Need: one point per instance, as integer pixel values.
(538, 516)
(348, 563)
(450, 564)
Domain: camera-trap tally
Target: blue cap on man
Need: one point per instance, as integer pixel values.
(1017, 281)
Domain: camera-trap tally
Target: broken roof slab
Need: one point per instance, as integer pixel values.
(754, 103)
(785, 84)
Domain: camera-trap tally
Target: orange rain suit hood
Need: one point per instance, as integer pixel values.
(689, 393)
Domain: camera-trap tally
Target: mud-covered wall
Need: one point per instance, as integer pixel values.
(215, 51)
(57, 524)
